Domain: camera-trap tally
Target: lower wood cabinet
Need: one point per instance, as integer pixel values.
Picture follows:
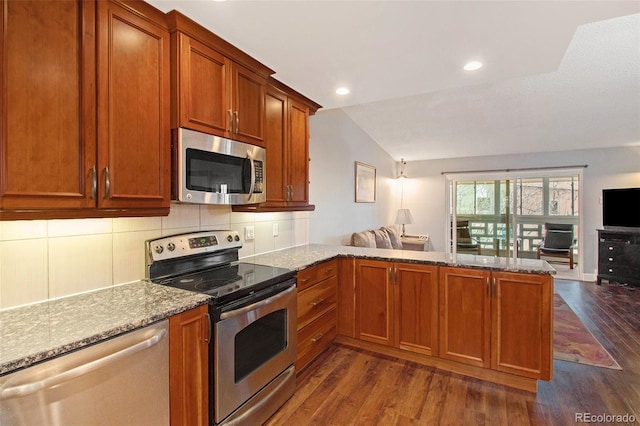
(496, 326)
(317, 313)
(189, 334)
(397, 305)
(497, 320)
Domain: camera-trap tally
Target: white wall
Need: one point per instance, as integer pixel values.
(607, 168)
(336, 144)
(42, 259)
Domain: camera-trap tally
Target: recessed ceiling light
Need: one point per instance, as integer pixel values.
(472, 66)
(342, 91)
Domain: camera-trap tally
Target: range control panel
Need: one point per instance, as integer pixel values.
(174, 246)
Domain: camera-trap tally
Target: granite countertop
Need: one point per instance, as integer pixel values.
(302, 257)
(37, 332)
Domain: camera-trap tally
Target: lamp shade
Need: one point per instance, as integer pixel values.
(404, 217)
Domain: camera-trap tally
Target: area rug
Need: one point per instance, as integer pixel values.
(572, 341)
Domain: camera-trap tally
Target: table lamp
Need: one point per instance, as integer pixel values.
(404, 217)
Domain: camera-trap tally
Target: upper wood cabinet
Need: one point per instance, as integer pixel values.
(216, 88)
(84, 110)
(134, 137)
(287, 144)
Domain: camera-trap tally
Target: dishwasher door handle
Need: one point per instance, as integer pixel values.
(65, 376)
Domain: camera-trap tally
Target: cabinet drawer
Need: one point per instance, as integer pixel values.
(315, 337)
(310, 276)
(316, 300)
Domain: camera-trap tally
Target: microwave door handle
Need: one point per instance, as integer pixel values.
(253, 175)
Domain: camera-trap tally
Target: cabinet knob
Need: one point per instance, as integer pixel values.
(611, 259)
(610, 271)
(610, 248)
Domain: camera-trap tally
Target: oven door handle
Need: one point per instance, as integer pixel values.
(253, 306)
(253, 176)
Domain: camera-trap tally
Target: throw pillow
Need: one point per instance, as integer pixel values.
(394, 236)
(363, 239)
(382, 239)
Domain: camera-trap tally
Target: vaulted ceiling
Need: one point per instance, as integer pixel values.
(557, 75)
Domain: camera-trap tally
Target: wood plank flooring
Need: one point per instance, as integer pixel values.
(348, 386)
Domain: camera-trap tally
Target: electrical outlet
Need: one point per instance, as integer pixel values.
(249, 234)
(275, 229)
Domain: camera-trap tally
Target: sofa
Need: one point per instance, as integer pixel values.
(386, 237)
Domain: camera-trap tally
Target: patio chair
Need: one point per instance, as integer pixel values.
(464, 242)
(558, 242)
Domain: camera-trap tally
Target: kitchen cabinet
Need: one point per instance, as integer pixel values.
(397, 305)
(189, 334)
(216, 88)
(287, 144)
(317, 314)
(83, 135)
(497, 320)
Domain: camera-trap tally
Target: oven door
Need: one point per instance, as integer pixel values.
(215, 170)
(252, 346)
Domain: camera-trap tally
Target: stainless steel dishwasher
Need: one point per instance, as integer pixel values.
(122, 381)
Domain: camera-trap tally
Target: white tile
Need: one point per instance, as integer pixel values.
(129, 255)
(71, 227)
(23, 230)
(181, 216)
(264, 241)
(285, 234)
(80, 263)
(173, 231)
(133, 224)
(215, 217)
(272, 216)
(23, 276)
(300, 215)
(241, 217)
(300, 232)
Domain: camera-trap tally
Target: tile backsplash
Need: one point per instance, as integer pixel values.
(46, 259)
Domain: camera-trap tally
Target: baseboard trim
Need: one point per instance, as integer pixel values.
(493, 376)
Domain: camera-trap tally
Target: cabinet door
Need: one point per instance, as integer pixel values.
(374, 306)
(416, 308)
(247, 102)
(275, 144)
(189, 333)
(465, 316)
(298, 153)
(202, 92)
(47, 101)
(522, 333)
(134, 138)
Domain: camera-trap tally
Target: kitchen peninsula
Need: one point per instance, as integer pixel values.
(376, 287)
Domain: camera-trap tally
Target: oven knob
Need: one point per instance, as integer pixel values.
(171, 247)
(237, 238)
(159, 249)
(230, 238)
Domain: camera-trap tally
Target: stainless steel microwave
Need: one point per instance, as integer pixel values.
(208, 169)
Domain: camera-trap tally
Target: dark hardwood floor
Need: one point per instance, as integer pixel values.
(348, 386)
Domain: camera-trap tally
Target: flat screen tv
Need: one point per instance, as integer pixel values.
(621, 208)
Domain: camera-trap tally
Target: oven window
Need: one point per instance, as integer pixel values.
(259, 342)
(217, 173)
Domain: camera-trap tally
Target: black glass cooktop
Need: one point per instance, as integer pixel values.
(230, 282)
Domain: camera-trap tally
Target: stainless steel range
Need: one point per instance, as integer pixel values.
(253, 307)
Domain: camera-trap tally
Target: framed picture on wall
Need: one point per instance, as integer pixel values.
(365, 182)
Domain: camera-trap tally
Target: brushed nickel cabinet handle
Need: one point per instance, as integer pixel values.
(488, 287)
(94, 183)
(107, 183)
(317, 302)
(317, 338)
(208, 339)
(230, 114)
(495, 286)
(304, 280)
(237, 121)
